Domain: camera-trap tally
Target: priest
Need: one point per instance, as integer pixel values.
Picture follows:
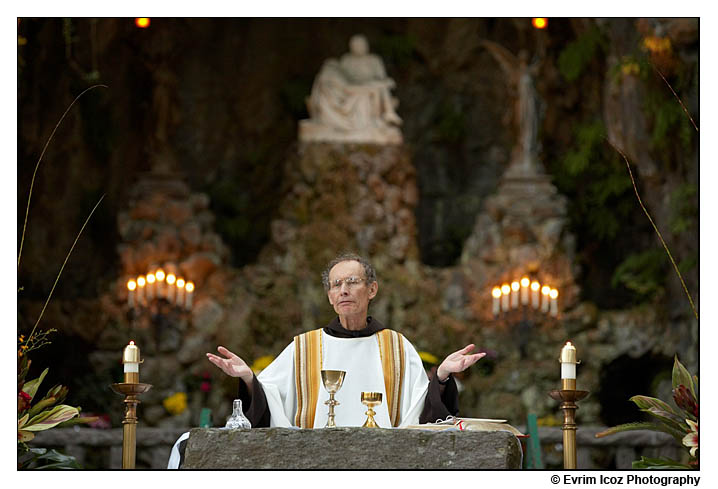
(377, 359)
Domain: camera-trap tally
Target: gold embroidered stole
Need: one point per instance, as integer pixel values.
(307, 368)
(308, 360)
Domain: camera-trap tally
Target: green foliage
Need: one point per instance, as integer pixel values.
(658, 463)
(684, 208)
(670, 420)
(642, 272)
(599, 181)
(42, 459)
(577, 55)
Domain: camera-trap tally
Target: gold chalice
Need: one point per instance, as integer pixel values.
(332, 380)
(370, 399)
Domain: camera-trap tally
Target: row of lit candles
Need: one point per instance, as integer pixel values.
(143, 289)
(507, 296)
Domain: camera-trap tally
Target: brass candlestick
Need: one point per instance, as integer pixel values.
(370, 399)
(129, 424)
(332, 380)
(568, 398)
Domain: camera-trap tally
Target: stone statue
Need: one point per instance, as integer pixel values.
(526, 113)
(351, 100)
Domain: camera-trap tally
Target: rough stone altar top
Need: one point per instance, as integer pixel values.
(350, 448)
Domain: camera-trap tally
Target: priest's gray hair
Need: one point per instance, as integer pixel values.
(368, 268)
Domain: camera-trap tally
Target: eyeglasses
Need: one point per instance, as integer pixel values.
(350, 282)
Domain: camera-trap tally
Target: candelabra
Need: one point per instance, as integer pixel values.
(523, 304)
(157, 285)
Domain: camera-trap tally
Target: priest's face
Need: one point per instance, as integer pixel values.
(349, 293)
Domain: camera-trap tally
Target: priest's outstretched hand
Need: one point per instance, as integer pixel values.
(458, 362)
(232, 365)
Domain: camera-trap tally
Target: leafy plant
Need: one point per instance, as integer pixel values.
(46, 413)
(642, 273)
(578, 54)
(680, 423)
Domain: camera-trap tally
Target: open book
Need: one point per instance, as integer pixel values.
(470, 424)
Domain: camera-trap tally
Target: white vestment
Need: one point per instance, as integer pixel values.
(360, 359)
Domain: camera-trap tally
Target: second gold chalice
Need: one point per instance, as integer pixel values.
(370, 399)
(332, 380)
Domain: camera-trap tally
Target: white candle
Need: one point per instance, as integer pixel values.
(554, 302)
(150, 286)
(131, 286)
(568, 366)
(514, 295)
(131, 363)
(171, 279)
(535, 294)
(160, 276)
(189, 289)
(180, 292)
(141, 290)
(544, 301)
(505, 291)
(496, 293)
(524, 291)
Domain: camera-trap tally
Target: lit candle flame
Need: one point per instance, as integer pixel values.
(141, 281)
(160, 274)
(539, 22)
(525, 282)
(131, 285)
(496, 292)
(535, 285)
(505, 289)
(142, 22)
(189, 286)
(545, 290)
(171, 278)
(180, 283)
(553, 293)
(514, 286)
(150, 278)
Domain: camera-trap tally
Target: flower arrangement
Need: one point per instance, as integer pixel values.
(681, 423)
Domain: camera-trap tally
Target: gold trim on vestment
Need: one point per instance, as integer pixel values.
(309, 361)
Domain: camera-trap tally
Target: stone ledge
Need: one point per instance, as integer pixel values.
(350, 448)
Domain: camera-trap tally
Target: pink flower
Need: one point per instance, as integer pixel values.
(691, 439)
(205, 386)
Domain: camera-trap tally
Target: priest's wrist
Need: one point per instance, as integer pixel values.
(446, 379)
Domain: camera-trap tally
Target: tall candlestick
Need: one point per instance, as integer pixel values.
(131, 363)
(554, 305)
(496, 293)
(524, 291)
(150, 286)
(131, 286)
(568, 366)
(505, 291)
(514, 295)
(535, 294)
(189, 290)
(171, 279)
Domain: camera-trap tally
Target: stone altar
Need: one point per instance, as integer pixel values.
(360, 448)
